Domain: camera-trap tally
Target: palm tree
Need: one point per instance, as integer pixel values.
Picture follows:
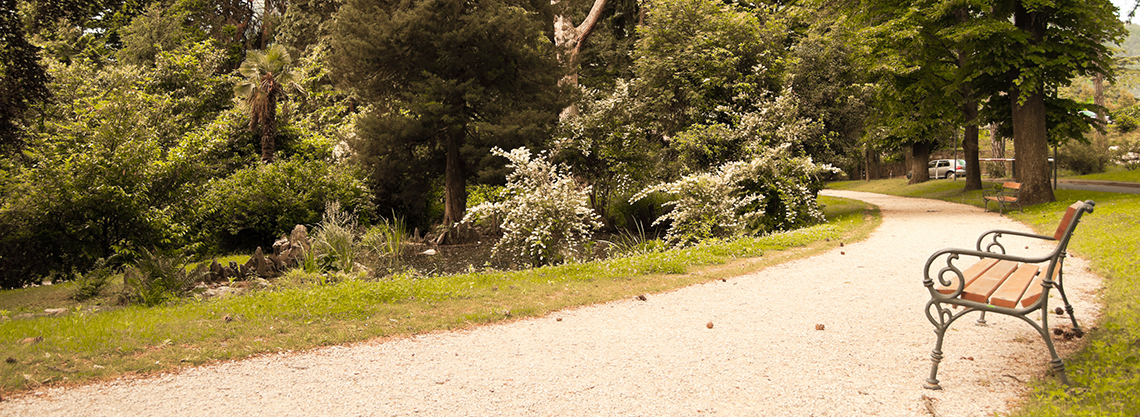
(267, 74)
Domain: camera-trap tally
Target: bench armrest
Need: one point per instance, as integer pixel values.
(997, 233)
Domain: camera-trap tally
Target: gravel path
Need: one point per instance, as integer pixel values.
(763, 356)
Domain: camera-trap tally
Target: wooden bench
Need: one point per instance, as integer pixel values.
(1006, 195)
(1001, 283)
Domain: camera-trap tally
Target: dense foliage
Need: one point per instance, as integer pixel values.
(208, 126)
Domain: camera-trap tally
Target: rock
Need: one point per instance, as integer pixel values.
(276, 263)
(281, 245)
(216, 272)
(429, 252)
(55, 311)
(31, 340)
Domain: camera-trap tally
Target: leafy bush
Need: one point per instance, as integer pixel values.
(1082, 158)
(1127, 119)
(546, 215)
(256, 204)
(705, 205)
(90, 285)
(774, 191)
(156, 278)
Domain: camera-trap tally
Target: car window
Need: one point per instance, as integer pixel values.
(932, 164)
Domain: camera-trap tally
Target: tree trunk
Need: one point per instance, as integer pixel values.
(1098, 99)
(969, 114)
(1031, 149)
(1030, 135)
(269, 131)
(970, 147)
(920, 158)
(454, 180)
(568, 39)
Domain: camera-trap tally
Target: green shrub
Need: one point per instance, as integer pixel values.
(546, 216)
(774, 191)
(90, 285)
(257, 204)
(1127, 119)
(1082, 158)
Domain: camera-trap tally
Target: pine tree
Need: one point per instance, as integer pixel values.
(446, 81)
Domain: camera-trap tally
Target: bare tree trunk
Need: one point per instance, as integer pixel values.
(969, 113)
(1031, 149)
(920, 157)
(1098, 99)
(269, 130)
(569, 38)
(454, 180)
(1030, 140)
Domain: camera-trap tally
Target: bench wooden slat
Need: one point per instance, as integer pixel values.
(1034, 292)
(981, 289)
(971, 274)
(1010, 292)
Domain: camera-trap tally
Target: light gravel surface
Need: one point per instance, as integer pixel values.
(763, 355)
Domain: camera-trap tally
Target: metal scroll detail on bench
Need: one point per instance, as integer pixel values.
(1000, 283)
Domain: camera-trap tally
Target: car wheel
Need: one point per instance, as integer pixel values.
(951, 175)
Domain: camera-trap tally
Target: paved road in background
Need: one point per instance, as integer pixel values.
(1102, 186)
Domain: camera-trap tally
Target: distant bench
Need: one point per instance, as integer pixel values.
(1007, 195)
(1001, 283)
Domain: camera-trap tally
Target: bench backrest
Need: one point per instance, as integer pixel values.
(1016, 186)
(1071, 215)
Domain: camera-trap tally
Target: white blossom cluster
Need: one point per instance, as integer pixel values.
(705, 205)
(546, 217)
(736, 197)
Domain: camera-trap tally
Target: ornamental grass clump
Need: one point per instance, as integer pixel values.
(546, 216)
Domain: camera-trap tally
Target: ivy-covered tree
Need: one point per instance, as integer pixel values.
(446, 80)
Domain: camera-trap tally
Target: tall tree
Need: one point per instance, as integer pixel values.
(1041, 46)
(447, 80)
(23, 81)
(268, 74)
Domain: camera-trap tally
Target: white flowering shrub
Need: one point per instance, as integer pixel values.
(546, 215)
(773, 191)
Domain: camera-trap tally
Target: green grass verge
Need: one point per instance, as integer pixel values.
(1106, 373)
(295, 314)
(1122, 175)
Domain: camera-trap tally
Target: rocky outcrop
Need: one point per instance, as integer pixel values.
(288, 252)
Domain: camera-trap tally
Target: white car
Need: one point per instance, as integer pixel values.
(941, 168)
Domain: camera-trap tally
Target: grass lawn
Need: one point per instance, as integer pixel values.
(1106, 372)
(1120, 175)
(297, 312)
